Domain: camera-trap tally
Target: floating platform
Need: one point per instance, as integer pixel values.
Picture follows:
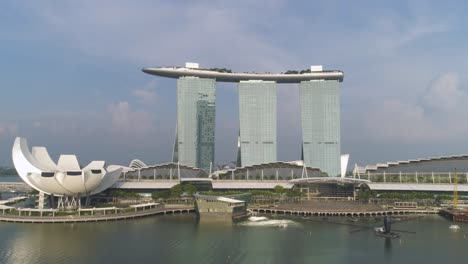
(95, 218)
(457, 215)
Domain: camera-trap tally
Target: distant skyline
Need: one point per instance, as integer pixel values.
(71, 79)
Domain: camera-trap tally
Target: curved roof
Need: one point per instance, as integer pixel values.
(358, 169)
(276, 164)
(137, 164)
(176, 72)
(40, 172)
(186, 171)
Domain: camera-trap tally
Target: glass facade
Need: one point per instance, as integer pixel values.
(195, 133)
(257, 114)
(320, 117)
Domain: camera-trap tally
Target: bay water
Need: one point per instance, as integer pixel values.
(184, 239)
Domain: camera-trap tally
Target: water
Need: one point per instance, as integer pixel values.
(182, 239)
(10, 179)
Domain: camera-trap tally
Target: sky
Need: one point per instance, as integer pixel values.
(71, 79)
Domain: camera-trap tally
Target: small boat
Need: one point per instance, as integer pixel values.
(385, 230)
(257, 218)
(454, 227)
(283, 225)
(380, 231)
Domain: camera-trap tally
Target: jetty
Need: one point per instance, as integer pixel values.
(88, 215)
(342, 213)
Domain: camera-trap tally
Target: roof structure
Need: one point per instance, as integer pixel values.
(417, 187)
(223, 76)
(272, 165)
(137, 164)
(329, 180)
(186, 171)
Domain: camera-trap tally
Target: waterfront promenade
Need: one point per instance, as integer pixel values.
(95, 218)
(342, 213)
(339, 208)
(283, 210)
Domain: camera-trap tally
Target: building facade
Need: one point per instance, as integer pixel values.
(257, 114)
(195, 133)
(320, 118)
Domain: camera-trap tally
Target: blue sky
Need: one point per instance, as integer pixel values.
(71, 80)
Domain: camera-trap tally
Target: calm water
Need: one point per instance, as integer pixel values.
(10, 179)
(182, 239)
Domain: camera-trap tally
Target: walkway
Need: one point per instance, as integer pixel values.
(95, 218)
(342, 213)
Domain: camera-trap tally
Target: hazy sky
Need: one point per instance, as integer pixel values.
(71, 80)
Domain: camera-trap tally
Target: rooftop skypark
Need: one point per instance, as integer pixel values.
(226, 75)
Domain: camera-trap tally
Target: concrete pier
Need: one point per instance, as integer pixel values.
(341, 213)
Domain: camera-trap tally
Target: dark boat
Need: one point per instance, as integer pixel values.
(457, 215)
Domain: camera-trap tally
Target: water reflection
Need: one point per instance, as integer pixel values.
(388, 248)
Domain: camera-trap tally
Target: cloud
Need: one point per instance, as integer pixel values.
(144, 33)
(8, 129)
(398, 122)
(147, 94)
(437, 117)
(390, 33)
(445, 94)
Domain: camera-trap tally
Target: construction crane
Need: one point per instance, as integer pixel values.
(455, 190)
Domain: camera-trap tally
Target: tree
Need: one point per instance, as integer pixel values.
(161, 195)
(293, 193)
(176, 190)
(190, 188)
(279, 189)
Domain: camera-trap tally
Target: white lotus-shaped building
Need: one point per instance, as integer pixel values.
(64, 179)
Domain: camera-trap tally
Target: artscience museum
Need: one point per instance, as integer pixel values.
(66, 179)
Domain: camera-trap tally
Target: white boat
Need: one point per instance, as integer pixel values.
(257, 218)
(379, 229)
(454, 227)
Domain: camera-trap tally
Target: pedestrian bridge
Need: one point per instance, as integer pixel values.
(422, 186)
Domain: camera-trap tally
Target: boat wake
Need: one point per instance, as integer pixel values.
(263, 221)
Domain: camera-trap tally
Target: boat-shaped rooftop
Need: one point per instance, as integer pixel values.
(226, 75)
